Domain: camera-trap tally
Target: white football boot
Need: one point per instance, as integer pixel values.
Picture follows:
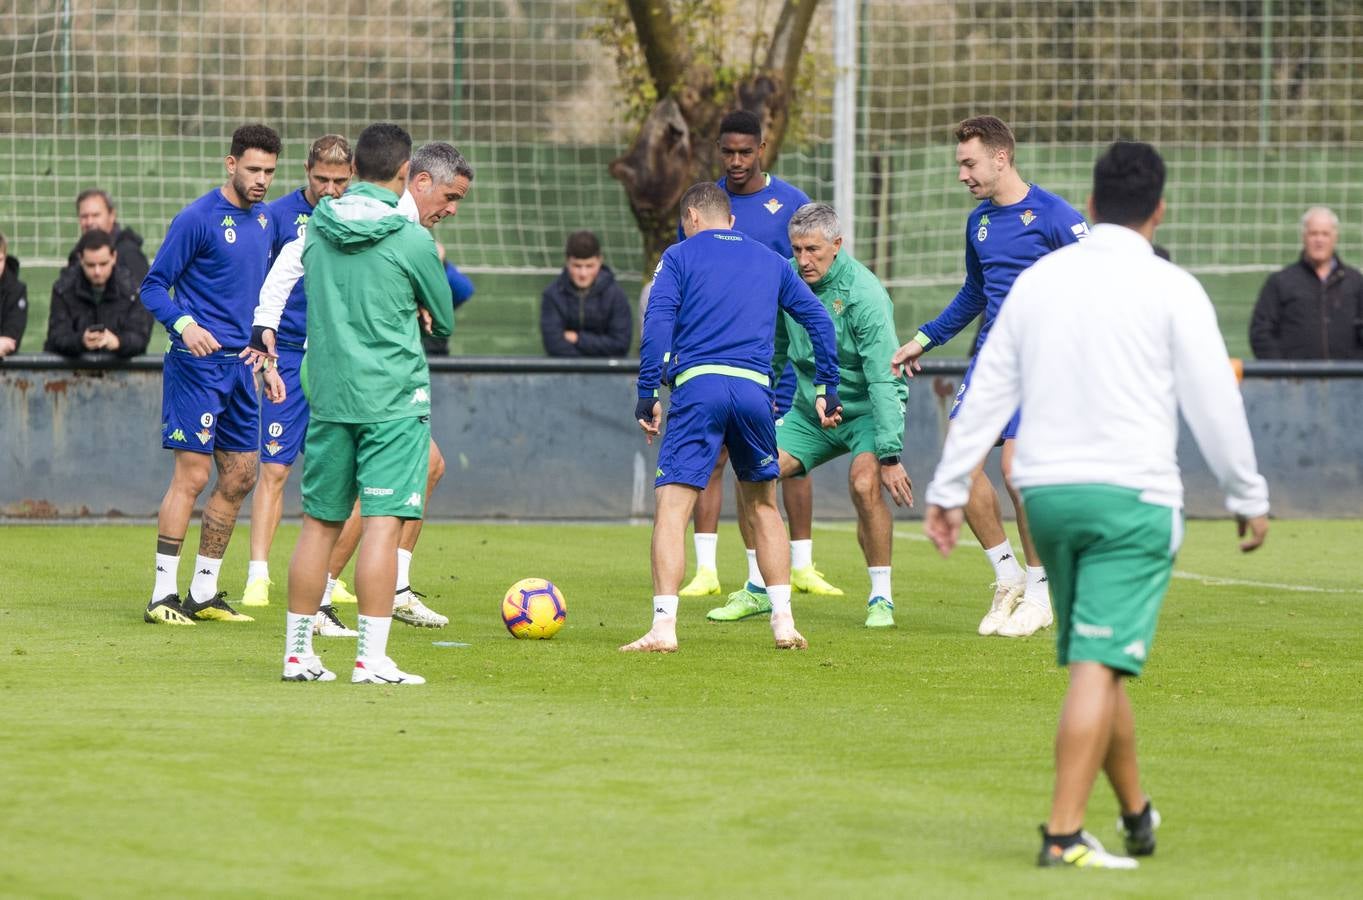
(327, 624)
(1028, 618)
(381, 671)
(1006, 597)
(407, 607)
(306, 668)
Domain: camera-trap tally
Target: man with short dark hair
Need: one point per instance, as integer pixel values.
(584, 312)
(95, 211)
(1313, 309)
(713, 345)
(214, 257)
(1014, 225)
(13, 302)
(95, 304)
(1103, 344)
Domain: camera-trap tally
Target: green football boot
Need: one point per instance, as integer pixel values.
(743, 604)
(809, 580)
(879, 613)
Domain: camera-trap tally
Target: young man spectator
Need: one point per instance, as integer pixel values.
(1313, 309)
(13, 302)
(95, 304)
(585, 312)
(95, 211)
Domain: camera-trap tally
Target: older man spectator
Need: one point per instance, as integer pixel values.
(95, 304)
(13, 302)
(95, 210)
(1313, 309)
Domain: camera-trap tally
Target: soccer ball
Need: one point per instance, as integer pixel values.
(534, 609)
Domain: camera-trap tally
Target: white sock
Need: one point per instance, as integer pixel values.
(404, 569)
(664, 607)
(167, 571)
(801, 554)
(298, 636)
(373, 642)
(705, 549)
(326, 594)
(257, 568)
(1038, 591)
(1005, 562)
(205, 583)
(754, 573)
(780, 598)
(880, 581)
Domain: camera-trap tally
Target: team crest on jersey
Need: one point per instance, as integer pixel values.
(1027, 218)
(837, 306)
(262, 220)
(772, 206)
(273, 448)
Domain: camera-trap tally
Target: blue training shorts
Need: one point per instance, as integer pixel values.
(1010, 431)
(208, 403)
(711, 410)
(283, 426)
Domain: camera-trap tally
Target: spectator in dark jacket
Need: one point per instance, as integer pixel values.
(1313, 309)
(584, 312)
(95, 304)
(95, 209)
(13, 302)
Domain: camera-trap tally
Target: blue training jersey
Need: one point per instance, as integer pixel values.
(215, 257)
(290, 214)
(714, 301)
(765, 215)
(1000, 243)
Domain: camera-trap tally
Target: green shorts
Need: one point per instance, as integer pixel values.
(801, 437)
(384, 463)
(1108, 556)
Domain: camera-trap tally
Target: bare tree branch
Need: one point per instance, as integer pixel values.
(788, 39)
(664, 44)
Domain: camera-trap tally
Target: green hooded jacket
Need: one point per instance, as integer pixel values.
(863, 317)
(367, 268)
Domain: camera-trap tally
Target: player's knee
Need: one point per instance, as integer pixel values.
(436, 470)
(273, 476)
(190, 478)
(865, 486)
(236, 483)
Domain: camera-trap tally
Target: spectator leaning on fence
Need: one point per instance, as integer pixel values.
(13, 302)
(95, 304)
(1313, 309)
(96, 212)
(584, 312)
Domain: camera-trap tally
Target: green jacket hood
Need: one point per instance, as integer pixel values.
(364, 215)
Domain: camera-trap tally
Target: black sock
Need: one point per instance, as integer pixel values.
(1134, 822)
(1063, 841)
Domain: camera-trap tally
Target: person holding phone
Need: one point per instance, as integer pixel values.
(95, 304)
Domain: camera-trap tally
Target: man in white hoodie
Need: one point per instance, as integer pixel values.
(1103, 343)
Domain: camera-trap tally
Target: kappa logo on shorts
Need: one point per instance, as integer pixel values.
(414, 500)
(420, 395)
(178, 435)
(1135, 649)
(1093, 631)
(378, 492)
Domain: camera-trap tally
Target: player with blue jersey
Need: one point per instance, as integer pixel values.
(762, 207)
(713, 343)
(284, 425)
(214, 257)
(1015, 224)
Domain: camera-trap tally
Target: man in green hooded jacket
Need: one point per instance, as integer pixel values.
(370, 273)
(873, 402)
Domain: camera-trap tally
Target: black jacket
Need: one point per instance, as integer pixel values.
(601, 317)
(13, 302)
(1298, 316)
(74, 309)
(128, 246)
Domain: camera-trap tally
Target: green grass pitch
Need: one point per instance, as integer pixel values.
(156, 761)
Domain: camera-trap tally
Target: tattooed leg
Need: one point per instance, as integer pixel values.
(236, 477)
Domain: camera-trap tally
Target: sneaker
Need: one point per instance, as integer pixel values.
(879, 613)
(407, 607)
(257, 592)
(1006, 597)
(1085, 853)
(327, 624)
(808, 580)
(743, 604)
(216, 609)
(705, 583)
(1139, 835)
(341, 594)
(306, 668)
(166, 611)
(1028, 618)
(382, 671)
